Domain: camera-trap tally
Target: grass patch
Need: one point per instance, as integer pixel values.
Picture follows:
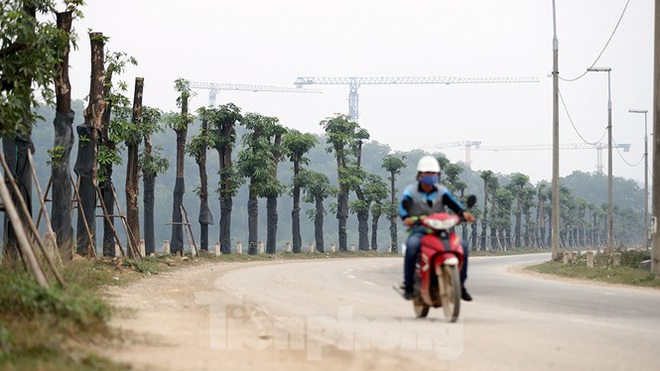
(604, 270)
(46, 328)
(50, 329)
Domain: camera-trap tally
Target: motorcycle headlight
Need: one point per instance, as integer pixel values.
(440, 224)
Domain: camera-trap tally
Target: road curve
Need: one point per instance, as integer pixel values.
(517, 321)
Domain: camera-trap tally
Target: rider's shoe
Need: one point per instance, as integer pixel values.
(465, 295)
(408, 292)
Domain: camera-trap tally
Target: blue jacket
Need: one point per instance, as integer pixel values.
(416, 202)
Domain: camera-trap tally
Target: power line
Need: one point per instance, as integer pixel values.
(573, 124)
(604, 48)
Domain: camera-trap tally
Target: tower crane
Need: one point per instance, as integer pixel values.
(468, 144)
(355, 82)
(535, 147)
(214, 87)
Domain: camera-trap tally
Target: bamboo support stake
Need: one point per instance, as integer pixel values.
(82, 214)
(106, 215)
(23, 241)
(49, 226)
(28, 217)
(132, 240)
(43, 200)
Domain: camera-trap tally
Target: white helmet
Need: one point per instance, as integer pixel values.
(428, 164)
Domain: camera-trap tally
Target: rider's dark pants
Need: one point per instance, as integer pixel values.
(413, 243)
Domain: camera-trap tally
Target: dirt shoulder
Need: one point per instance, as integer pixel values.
(165, 323)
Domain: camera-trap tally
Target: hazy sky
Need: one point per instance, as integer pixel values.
(272, 42)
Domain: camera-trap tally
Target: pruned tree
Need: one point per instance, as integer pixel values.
(179, 123)
(517, 185)
(393, 165)
(108, 149)
(152, 163)
(375, 194)
(489, 179)
(224, 138)
(60, 154)
(297, 145)
(541, 203)
(316, 188)
(88, 136)
(132, 185)
(342, 137)
(257, 161)
(30, 55)
(196, 148)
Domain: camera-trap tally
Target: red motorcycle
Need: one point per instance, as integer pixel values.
(437, 273)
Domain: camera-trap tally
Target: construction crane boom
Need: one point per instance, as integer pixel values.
(355, 82)
(215, 87)
(468, 144)
(300, 81)
(535, 147)
(532, 147)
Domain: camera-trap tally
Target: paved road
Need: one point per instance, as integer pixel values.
(517, 321)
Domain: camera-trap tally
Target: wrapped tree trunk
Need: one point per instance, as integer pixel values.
(15, 152)
(253, 226)
(133, 172)
(62, 192)
(148, 199)
(271, 228)
(105, 185)
(318, 224)
(85, 166)
(176, 241)
(205, 217)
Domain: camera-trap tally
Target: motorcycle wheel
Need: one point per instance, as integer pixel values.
(421, 309)
(450, 292)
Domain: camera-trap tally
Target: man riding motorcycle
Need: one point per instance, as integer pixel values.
(421, 198)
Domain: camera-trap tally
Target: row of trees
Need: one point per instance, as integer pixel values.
(36, 53)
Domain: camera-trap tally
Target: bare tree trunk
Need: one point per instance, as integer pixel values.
(133, 171)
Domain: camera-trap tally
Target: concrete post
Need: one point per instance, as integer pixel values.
(616, 258)
(352, 248)
(239, 247)
(333, 248)
(590, 259)
(166, 247)
(260, 247)
(217, 248)
(287, 247)
(141, 246)
(312, 248)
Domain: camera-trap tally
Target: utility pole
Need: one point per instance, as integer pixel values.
(555, 138)
(645, 239)
(610, 206)
(655, 254)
